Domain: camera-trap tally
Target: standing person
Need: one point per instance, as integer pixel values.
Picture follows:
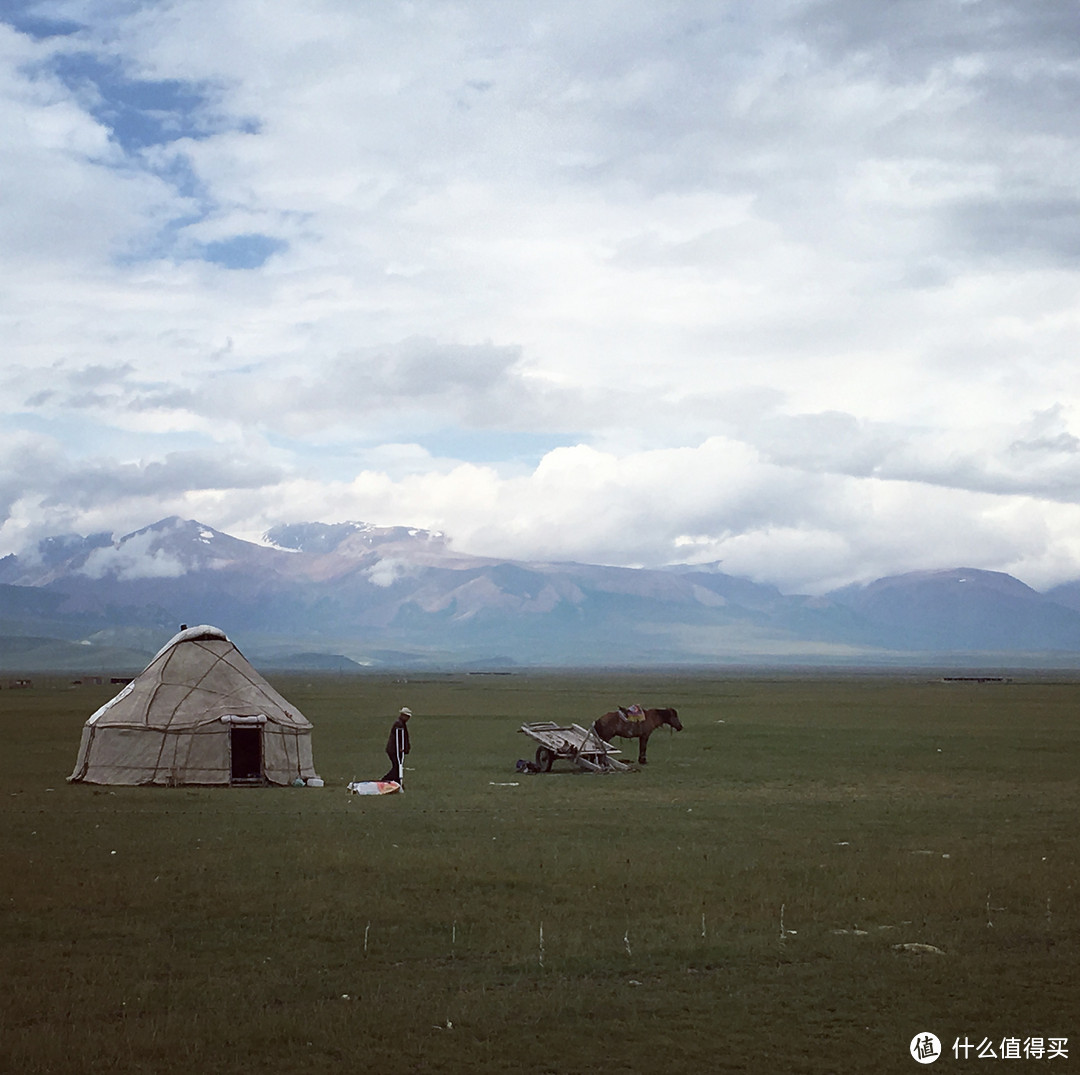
(397, 745)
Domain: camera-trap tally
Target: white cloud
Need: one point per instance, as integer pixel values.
(134, 559)
(786, 284)
(386, 572)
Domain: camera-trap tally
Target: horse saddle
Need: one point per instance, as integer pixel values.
(634, 712)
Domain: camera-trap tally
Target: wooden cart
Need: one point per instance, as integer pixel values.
(579, 745)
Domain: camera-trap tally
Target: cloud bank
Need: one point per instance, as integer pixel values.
(789, 285)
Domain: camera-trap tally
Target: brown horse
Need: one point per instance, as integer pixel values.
(628, 724)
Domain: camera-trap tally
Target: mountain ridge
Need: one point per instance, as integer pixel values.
(359, 592)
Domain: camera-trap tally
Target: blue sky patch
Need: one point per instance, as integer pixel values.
(84, 436)
(491, 445)
(243, 251)
(139, 112)
(22, 17)
(179, 173)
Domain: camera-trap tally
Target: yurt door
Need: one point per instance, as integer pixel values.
(246, 754)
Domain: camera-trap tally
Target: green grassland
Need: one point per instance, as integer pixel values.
(737, 905)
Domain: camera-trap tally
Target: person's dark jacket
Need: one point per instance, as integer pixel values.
(391, 742)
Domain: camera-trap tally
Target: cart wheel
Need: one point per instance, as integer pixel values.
(544, 759)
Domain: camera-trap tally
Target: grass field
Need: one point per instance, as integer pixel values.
(734, 906)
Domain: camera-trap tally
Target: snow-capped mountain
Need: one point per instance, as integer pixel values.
(392, 595)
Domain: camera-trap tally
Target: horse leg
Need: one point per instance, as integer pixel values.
(643, 742)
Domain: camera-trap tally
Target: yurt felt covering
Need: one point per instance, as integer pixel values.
(174, 724)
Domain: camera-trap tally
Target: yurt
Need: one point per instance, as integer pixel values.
(197, 714)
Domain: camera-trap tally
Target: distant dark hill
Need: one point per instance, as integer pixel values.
(322, 594)
(962, 609)
(308, 662)
(30, 654)
(24, 608)
(1068, 595)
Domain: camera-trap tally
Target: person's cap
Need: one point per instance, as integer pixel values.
(405, 712)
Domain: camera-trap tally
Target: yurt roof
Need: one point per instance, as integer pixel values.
(198, 677)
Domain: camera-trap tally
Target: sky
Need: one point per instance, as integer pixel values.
(785, 286)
